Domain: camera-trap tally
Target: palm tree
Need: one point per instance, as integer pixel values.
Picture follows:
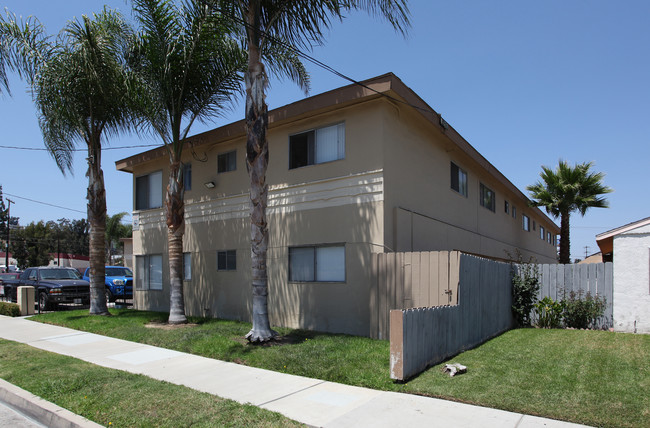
(268, 26)
(79, 85)
(114, 231)
(565, 190)
(190, 68)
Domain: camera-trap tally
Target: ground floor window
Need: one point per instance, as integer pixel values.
(227, 260)
(317, 264)
(148, 272)
(187, 266)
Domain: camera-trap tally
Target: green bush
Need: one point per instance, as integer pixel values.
(549, 313)
(583, 313)
(9, 309)
(525, 286)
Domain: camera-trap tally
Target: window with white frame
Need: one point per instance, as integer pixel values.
(148, 272)
(317, 146)
(227, 260)
(488, 198)
(525, 222)
(542, 236)
(187, 266)
(148, 191)
(317, 264)
(227, 161)
(458, 179)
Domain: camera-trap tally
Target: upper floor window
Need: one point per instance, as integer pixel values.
(488, 199)
(549, 237)
(514, 211)
(148, 191)
(317, 264)
(458, 179)
(506, 206)
(317, 146)
(542, 236)
(525, 222)
(227, 161)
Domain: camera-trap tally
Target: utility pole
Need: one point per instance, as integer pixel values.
(586, 250)
(7, 249)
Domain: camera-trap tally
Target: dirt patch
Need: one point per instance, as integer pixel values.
(165, 326)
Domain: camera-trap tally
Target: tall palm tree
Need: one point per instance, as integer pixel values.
(191, 69)
(79, 85)
(268, 25)
(565, 190)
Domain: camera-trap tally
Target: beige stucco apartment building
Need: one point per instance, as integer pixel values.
(355, 171)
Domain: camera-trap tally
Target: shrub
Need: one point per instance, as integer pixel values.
(583, 313)
(549, 313)
(525, 286)
(9, 309)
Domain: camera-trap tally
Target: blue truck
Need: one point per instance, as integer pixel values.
(119, 282)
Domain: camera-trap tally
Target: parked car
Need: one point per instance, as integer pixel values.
(9, 276)
(119, 282)
(53, 285)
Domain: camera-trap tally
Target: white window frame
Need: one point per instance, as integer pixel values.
(336, 275)
(525, 222)
(144, 265)
(313, 139)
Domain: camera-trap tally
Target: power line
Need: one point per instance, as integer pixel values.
(45, 203)
(80, 150)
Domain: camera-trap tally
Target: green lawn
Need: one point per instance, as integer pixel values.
(118, 399)
(592, 377)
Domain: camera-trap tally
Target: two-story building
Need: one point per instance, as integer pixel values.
(355, 171)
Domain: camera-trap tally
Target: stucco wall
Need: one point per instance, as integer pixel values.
(424, 213)
(632, 281)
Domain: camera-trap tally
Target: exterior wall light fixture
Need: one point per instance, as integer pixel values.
(209, 184)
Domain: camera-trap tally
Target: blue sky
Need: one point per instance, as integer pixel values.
(526, 83)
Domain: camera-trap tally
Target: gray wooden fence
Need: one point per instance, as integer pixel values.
(421, 337)
(407, 280)
(558, 281)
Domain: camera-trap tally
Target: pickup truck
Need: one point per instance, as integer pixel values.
(53, 285)
(118, 282)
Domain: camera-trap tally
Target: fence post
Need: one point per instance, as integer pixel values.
(397, 344)
(25, 299)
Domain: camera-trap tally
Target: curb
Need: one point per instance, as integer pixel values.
(49, 414)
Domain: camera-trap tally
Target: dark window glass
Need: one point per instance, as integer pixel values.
(227, 161)
(227, 260)
(488, 198)
(142, 192)
(187, 176)
(301, 150)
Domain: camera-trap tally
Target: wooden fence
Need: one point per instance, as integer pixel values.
(421, 337)
(558, 281)
(407, 280)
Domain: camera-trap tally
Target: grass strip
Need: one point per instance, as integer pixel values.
(592, 377)
(119, 399)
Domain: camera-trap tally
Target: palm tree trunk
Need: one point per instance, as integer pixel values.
(97, 220)
(175, 213)
(565, 242)
(257, 160)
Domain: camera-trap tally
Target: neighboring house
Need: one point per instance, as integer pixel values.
(629, 248)
(594, 258)
(127, 251)
(69, 260)
(359, 170)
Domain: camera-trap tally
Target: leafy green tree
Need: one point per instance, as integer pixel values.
(565, 190)
(32, 245)
(190, 68)
(80, 88)
(270, 30)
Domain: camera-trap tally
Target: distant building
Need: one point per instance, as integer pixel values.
(69, 260)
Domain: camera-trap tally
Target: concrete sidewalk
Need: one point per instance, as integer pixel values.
(311, 401)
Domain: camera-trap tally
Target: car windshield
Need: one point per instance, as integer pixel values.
(60, 274)
(119, 271)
